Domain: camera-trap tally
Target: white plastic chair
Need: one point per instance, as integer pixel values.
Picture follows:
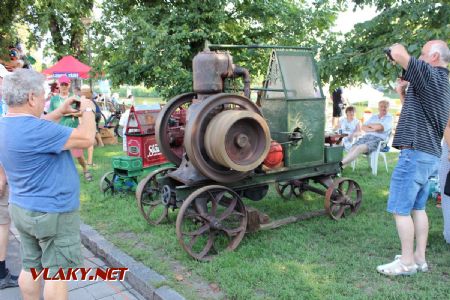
(372, 159)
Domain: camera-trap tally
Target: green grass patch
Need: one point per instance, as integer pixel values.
(314, 259)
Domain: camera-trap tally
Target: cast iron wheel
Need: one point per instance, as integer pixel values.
(173, 152)
(149, 197)
(107, 182)
(212, 219)
(289, 189)
(194, 142)
(343, 198)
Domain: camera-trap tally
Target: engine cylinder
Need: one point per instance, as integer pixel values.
(239, 140)
(209, 69)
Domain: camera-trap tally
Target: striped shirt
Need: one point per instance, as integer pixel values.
(426, 108)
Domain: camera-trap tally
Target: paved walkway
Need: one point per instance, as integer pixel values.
(78, 290)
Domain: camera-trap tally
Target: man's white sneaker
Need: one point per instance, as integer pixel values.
(397, 268)
(423, 267)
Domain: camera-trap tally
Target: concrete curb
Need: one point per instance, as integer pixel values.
(140, 277)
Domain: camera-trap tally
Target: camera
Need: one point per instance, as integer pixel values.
(387, 51)
(76, 104)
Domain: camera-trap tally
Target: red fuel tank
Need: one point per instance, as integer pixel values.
(275, 155)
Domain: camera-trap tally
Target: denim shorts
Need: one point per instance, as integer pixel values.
(409, 183)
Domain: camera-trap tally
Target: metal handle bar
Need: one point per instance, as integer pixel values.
(255, 46)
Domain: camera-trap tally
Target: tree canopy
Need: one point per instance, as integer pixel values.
(61, 19)
(358, 56)
(153, 41)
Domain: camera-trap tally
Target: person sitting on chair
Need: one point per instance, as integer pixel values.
(349, 125)
(377, 129)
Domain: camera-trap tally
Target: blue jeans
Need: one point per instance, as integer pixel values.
(409, 183)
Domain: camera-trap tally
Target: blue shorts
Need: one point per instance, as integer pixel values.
(409, 183)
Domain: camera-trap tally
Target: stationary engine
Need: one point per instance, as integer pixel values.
(226, 136)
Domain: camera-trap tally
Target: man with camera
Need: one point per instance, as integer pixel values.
(44, 183)
(425, 93)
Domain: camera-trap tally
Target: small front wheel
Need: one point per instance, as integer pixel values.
(343, 198)
(149, 197)
(107, 182)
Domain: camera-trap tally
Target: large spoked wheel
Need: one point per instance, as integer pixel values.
(289, 189)
(194, 141)
(211, 220)
(149, 197)
(170, 144)
(107, 182)
(343, 198)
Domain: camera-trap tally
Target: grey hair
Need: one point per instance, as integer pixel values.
(442, 49)
(19, 84)
(384, 101)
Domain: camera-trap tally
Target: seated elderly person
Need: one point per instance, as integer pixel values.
(376, 129)
(349, 125)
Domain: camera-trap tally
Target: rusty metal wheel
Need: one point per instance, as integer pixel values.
(149, 197)
(194, 141)
(211, 220)
(289, 189)
(170, 142)
(343, 198)
(107, 182)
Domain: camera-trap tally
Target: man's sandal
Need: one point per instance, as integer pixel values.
(87, 176)
(396, 268)
(423, 267)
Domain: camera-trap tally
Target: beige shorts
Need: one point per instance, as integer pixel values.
(4, 213)
(48, 240)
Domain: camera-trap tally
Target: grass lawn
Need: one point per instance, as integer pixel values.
(314, 259)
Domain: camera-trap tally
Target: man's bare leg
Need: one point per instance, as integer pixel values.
(82, 163)
(420, 219)
(405, 230)
(4, 238)
(90, 155)
(354, 152)
(30, 288)
(56, 290)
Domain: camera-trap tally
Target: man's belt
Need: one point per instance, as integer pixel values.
(405, 147)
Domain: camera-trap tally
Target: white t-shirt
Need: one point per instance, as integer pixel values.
(347, 126)
(386, 121)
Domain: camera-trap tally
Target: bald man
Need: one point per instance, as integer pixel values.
(425, 93)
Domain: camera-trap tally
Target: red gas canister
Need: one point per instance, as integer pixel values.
(275, 155)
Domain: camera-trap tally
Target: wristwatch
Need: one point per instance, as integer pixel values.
(87, 109)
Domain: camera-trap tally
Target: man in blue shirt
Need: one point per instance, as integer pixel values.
(44, 184)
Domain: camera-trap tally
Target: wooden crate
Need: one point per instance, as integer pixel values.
(107, 135)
